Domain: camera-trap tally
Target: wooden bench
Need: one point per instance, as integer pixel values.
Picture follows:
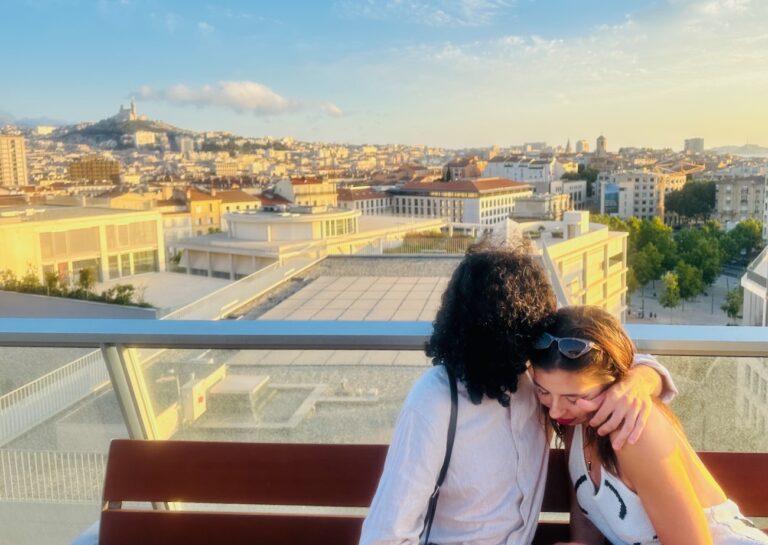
(303, 475)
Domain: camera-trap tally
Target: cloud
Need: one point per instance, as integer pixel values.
(205, 28)
(240, 96)
(438, 13)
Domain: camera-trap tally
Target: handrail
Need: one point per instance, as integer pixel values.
(657, 339)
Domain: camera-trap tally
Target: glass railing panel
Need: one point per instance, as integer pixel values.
(723, 401)
(55, 428)
(317, 396)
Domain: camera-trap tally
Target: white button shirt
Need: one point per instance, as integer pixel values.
(494, 487)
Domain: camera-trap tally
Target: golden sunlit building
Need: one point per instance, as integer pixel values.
(589, 260)
(13, 161)
(66, 239)
(95, 168)
(205, 209)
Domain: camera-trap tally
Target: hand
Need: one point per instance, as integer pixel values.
(625, 406)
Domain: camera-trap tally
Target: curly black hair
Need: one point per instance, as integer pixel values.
(498, 300)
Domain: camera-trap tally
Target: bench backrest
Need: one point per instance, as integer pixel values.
(303, 475)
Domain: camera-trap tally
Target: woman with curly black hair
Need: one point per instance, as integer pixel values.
(498, 300)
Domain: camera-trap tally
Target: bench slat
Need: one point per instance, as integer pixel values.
(129, 527)
(744, 478)
(247, 473)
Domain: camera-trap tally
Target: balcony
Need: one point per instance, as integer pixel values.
(276, 381)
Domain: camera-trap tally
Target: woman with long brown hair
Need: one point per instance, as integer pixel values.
(656, 490)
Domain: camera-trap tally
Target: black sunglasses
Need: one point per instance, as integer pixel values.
(570, 347)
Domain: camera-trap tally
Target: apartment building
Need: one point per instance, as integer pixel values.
(366, 200)
(740, 198)
(693, 145)
(464, 167)
(94, 168)
(482, 201)
(545, 206)
(640, 193)
(205, 211)
(308, 191)
(13, 160)
(588, 261)
(66, 239)
(539, 172)
(575, 189)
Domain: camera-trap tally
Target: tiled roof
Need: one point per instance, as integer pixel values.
(478, 185)
(360, 195)
(304, 180)
(235, 195)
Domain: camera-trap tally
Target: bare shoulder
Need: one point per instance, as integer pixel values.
(660, 440)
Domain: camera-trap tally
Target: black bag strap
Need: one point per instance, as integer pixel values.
(432, 505)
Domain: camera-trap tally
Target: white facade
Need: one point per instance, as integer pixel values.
(755, 284)
(637, 193)
(537, 172)
(575, 189)
(483, 201)
(587, 261)
(367, 201)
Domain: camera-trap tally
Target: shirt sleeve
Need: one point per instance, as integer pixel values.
(414, 459)
(668, 388)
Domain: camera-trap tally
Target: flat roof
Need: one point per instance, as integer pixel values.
(54, 212)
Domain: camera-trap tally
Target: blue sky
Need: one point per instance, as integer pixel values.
(442, 72)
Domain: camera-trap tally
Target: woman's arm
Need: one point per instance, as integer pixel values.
(655, 467)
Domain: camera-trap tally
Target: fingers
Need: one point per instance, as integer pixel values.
(627, 427)
(607, 408)
(642, 420)
(588, 405)
(613, 422)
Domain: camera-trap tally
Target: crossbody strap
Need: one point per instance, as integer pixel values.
(432, 505)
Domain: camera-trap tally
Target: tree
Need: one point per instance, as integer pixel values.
(86, 279)
(122, 294)
(655, 232)
(647, 264)
(51, 282)
(689, 281)
(732, 304)
(701, 248)
(745, 237)
(695, 200)
(671, 296)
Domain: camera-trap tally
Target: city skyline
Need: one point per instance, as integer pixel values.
(465, 73)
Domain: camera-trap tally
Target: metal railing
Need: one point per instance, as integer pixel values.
(419, 245)
(671, 340)
(35, 402)
(75, 477)
(39, 400)
(51, 476)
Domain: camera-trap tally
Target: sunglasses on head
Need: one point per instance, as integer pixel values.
(570, 347)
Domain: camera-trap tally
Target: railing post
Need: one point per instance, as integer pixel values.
(131, 390)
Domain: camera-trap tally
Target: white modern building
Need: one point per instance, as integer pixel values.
(366, 200)
(539, 172)
(755, 284)
(637, 193)
(575, 189)
(481, 201)
(258, 239)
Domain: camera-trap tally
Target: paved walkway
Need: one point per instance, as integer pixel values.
(704, 310)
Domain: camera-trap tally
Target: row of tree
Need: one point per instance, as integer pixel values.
(687, 261)
(82, 287)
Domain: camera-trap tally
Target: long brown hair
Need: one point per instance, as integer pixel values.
(611, 361)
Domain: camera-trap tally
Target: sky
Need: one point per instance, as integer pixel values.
(452, 73)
